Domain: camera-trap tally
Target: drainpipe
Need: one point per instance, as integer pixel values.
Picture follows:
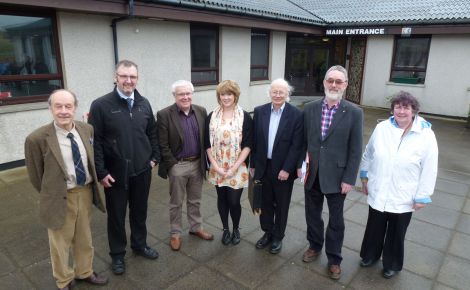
(113, 25)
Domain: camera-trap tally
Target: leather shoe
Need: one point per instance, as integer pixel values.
(95, 279)
(175, 243)
(310, 255)
(235, 237)
(334, 271)
(226, 237)
(147, 252)
(264, 241)
(367, 263)
(68, 287)
(203, 235)
(389, 273)
(118, 266)
(276, 246)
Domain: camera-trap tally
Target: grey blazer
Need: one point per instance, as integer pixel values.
(336, 158)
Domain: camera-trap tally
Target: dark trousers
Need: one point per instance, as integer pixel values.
(275, 203)
(385, 233)
(228, 201)
(116, 205)
(334, 236)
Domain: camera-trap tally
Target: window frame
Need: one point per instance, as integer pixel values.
(37, 12)
(413, 69)
(268, 50)
(216, 68)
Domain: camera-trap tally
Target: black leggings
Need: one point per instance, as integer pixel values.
(228, 201)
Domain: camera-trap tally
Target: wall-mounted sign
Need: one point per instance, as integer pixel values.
(355, 31)
(406, 31)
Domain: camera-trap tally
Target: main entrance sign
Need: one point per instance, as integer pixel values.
(355, 31)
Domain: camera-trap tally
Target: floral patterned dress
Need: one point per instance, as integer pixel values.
(225, 138)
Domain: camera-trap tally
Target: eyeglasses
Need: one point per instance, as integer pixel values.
(184, 94)
(125, 77)
(338, 82)
(280, 93)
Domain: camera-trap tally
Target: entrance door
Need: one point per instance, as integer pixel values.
(356, 69)
(298, 69)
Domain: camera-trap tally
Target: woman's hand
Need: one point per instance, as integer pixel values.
(230, 172)
(418, 205)
(364, 187)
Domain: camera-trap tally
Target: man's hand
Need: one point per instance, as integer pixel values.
(252, 172)
(153, 163)
(283, 175)
(345, 188)
(107, 181)
(299, 172)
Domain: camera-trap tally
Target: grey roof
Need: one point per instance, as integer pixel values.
(340, 12)
(273, 9)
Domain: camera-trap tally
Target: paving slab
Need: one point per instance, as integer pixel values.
(429, 235)
(438, 216)
(371, 278)
(16, 280)
(452, 186)
(422, 260)
(464, 224)
(460, 246)
(204, 278)
(448, 200)
(455, 272)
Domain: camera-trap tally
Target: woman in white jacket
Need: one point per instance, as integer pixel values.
(398, 174)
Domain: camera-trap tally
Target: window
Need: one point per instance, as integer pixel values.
(204, 55)
(29, 62)
(259, 55)
(410, 59)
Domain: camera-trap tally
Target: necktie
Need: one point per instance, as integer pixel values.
(130, 102)
(77, 161)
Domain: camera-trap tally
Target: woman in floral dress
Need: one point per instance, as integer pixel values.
(228, 142)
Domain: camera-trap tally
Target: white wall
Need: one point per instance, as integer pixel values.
(445, 91)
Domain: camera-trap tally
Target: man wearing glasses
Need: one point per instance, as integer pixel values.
(333, 142)
(181, 135)
(126, 150)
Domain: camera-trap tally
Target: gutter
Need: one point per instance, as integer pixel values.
(130, 15)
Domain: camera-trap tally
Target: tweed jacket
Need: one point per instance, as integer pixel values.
(337, 156)
(170, 136)
(47, 172)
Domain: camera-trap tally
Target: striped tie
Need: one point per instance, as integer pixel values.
(77, 161)
(130, 102)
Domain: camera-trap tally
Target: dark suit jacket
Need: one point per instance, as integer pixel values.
(287, 143)
(47, 172)
(171, 140)
(337, 157)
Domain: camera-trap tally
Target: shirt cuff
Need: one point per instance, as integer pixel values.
(363, 174)
(423, 200)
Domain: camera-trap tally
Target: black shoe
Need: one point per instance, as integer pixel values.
(147, 252)
(389, 273)
(264, 241)
(226, 237)
(367, 263)
(118, 266)
(235, 237)
(276, 246)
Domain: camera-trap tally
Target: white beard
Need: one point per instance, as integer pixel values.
(333, 96)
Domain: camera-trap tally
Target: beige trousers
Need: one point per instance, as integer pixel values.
(75, 234)
(185, 179)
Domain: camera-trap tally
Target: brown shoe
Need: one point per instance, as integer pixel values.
(310, 255)
(203, 235)
(95, 279)
(175, 243)
(334, 271)
(68, 286)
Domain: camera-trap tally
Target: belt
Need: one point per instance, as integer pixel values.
(190, 159)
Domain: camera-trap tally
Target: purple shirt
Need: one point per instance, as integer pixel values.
(327, 116)
(191, 144)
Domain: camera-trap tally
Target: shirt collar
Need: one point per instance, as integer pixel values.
(326, 104)
(281, 109)
(181, 111)
(63, 131)
(123, 96)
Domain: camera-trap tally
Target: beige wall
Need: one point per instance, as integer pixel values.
(445, 90)
(162, 51)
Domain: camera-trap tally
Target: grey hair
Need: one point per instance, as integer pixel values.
(281, 82)
(181, 83)
(337, 68)
(126, 63)
(75, 99)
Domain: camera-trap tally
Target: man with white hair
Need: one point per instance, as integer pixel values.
(181, 134)
(277, 145)
(333, 142)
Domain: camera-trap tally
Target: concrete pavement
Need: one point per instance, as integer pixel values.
(437, 251)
